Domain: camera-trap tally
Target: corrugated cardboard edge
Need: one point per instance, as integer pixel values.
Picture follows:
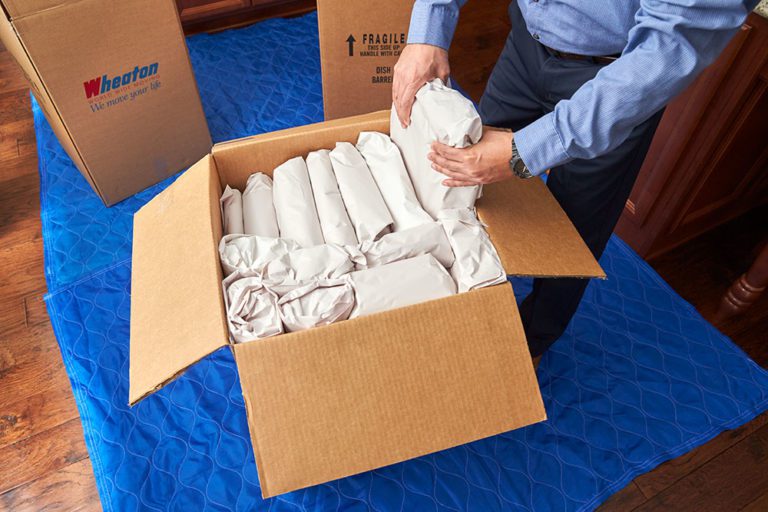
(176, 278)
(372, 367)
(14, 44)
(556, 250)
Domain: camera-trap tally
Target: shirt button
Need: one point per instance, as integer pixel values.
(535, 1)
(536, 37)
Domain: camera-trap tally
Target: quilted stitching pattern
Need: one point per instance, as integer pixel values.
(638, 378)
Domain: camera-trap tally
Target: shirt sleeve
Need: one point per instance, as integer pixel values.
(671, 42)
(434, 22)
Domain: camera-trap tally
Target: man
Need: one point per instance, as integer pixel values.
(582, 85)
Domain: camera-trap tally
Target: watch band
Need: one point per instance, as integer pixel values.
(517, 165)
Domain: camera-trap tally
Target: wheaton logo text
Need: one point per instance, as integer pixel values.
(102, 84)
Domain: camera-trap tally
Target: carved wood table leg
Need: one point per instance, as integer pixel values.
(746, 289)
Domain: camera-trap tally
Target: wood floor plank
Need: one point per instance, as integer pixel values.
(15, 106)
(71, 488)
(758, 505)
(37, 456)
(11, 77)
(30, 363)
(626, 499)
(32, 415)
(732, 480)
(672, 471)
(21, 269)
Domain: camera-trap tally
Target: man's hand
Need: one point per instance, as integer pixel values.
(485, 162)
(418, 64)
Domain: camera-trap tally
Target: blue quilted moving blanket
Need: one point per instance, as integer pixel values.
(638, 378)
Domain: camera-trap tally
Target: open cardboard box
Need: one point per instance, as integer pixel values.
(360, 394)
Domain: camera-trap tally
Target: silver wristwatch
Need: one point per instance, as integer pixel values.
(517, 165)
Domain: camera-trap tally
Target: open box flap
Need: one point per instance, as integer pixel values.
(266, 151)
(338, 400)
(532, 234)
(177, 307)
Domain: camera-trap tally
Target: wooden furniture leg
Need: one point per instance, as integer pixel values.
(746, 289)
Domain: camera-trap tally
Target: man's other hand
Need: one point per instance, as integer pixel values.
(417, 65)
(485, 162)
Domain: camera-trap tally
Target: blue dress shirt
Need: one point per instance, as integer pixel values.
(663, 46)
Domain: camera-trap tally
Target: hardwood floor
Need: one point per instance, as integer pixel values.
(44, 462)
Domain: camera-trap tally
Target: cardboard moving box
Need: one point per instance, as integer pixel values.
(115, 83)
(359, 394)
(360, 43)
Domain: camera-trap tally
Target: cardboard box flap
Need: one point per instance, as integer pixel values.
(532, 234)
(338, 400)
(268, 150)
(177, 307)
(19, 8)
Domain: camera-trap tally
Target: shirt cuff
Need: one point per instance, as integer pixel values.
(432, 24)
(540, 146)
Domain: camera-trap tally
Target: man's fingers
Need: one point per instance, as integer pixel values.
(459, 176)
(447, 152)
(458, 183)
(406, 100)
(450, 165)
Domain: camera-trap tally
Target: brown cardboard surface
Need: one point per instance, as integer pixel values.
(139, 132)
(177, 306)
(334, 401)
(19, 8)
(531, 233)
(239, 158)
(360, 82)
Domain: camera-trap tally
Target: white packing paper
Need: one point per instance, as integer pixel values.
(316, 303)
(251, 252)
(325, 261)
(400, 284)
(232, 211)
(367, 210)
(388, 170)
(425, 239)
(252, 311)
(295, 204)
(258, 210)
(444, 115)
(334, 219)
(477, 262)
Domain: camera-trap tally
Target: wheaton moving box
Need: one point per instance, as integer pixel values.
(337, 400)
(115, 83)
(360, 42)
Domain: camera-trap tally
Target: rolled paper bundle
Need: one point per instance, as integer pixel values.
(295, 205)
(444, 115)
(317, 303)
(325, 261)
(252, 311)
(334, 219)
(251, 252)
(477, 262)
(258, 211)
(388, 170)
(425, 239)
(399, 284)
(367, 210)
(232, 211)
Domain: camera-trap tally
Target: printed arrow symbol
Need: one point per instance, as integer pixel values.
(351, 41)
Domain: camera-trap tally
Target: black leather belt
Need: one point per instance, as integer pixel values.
(595, 59)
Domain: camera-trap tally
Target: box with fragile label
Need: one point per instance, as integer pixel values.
(115, 83)
(360, 43)
(337, 400)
